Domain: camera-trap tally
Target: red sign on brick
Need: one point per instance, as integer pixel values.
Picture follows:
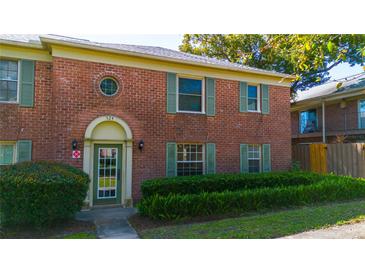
(76, 154)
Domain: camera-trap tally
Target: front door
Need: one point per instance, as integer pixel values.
(107, 169)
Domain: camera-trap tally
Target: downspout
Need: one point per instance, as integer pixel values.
(323, 123)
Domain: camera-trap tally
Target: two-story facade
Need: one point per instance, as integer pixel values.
(343, 105)
(137, 112)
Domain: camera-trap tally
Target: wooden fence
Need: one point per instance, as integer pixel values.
(341, 159)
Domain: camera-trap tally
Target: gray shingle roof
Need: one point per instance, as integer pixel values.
(356, 82)
(146, 50)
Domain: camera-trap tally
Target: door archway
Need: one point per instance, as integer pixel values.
(108, 144)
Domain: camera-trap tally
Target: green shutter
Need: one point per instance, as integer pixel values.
(171, 92)
(266, 158)
(244, 158)
(243, 97)
(6, 154)
(26, 83)
(210, 158)
(265, 99)
(170, 159)
(210, 93)
(24, 150)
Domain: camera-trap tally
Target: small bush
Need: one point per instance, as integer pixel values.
(223, 182)
(40, 193)
(176, 206)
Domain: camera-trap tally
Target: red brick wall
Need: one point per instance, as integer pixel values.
(141, 103)
(18, 123)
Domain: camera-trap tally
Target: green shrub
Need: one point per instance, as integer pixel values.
(223, 182)
(175, 206)
(40, 193)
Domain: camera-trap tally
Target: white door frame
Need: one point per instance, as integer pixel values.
(127, 148)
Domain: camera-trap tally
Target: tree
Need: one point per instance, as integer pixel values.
(308, 57)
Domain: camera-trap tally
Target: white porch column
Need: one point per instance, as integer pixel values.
(323, 123)
(128, 172)
(87, 169)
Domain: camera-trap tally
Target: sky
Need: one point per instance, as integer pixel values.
(172, 41)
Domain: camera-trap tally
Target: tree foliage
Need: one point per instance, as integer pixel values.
(309, 57)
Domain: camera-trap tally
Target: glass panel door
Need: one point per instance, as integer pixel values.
(107, 168)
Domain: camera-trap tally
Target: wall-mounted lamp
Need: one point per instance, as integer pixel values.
(343, 104)
(74, 144)
(141, 144)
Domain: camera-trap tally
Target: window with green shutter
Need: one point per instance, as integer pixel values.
(266, 158)
(26, 83)
(171, 92)
(265, 99)
(210, 158)
(244, 158)
(24, 150)
(170, 159)
(7, 151)
(210, 95)
(243, 97)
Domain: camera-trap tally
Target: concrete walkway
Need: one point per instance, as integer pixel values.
(351, 231)
(111, 223)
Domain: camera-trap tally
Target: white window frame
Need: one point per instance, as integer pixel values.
(14, 150)
(260, 157)
(17, 85)
(203, 155)
(300, 122)
(359, 114)
(178, 76)
(108, 78)
(258, 97)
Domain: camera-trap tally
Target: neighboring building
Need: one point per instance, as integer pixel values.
(342, 102)
(137, 112)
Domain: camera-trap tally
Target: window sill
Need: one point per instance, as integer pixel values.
(190, 112)
(10, 103)
(254, 111)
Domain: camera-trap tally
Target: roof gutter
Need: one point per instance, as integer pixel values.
(150, 56)
(327, 98)
(21, 44)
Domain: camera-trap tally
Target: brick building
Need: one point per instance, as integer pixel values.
(138, 112)
(343, 105)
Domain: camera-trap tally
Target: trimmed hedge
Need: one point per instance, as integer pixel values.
(223, 182)
(40, 193)
(176, 206)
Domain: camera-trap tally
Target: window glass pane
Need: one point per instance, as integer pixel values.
(8, 70)
(108, 86)
(190, 86)
(252, 91)
(308, 121)
(252, 104)
(6, 154)
(189, 160)
(190, 103)
(362, 106)
(253, 165)
(254, 158)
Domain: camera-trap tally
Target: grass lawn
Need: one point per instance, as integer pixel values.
(81, 235)
(263, 226)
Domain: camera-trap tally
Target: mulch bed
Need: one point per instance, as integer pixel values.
(54, 232)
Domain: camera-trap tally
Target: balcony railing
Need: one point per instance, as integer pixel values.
(347, 122)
